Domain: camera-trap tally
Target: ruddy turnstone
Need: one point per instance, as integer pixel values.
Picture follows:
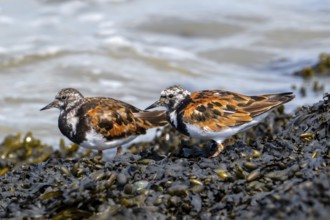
(101, 123)
(216, 114)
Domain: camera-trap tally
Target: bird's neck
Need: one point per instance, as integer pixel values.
(175, 118)
(172, 118)
(68, 121)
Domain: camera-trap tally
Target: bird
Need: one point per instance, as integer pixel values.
(101, 123)
(215, 115)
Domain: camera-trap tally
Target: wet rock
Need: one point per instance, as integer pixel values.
(121, 179)
(178, 190)
(140, 185)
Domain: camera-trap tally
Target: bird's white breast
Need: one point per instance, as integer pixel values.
(173, 118)
(72, 121)
(94, 140)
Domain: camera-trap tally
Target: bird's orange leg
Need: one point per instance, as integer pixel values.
(100, 153)
(220, 148)
(119, 150)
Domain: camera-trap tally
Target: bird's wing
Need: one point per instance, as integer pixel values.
(263, 103)
(112, 118)
(216, 110)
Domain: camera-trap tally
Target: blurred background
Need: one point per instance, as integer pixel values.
(131, 50)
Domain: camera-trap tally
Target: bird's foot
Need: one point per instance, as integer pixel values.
(219, 149)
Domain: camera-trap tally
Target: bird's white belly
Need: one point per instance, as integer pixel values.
(220, 136)
(98, 142)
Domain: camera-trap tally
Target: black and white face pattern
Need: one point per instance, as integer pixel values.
(65, 99)
(173, 96)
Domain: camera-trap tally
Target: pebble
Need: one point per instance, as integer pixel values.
(121, 179)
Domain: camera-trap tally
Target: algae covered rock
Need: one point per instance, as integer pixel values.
(281, 170)
(321, 68)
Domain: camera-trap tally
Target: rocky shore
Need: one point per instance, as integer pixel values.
(280, 169)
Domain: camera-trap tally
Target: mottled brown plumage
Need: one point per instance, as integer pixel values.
(217, 110)
(115, 119)
(216, 114)
(99, 122)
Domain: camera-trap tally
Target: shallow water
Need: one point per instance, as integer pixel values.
(131, 50)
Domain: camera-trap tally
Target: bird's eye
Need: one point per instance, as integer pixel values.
(63, 97)
(170, 96)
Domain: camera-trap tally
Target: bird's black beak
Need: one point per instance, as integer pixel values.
(154, 105)
(53, 104)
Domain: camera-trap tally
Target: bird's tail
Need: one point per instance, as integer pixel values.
(281, 98)
(153, 119)
(263, 103)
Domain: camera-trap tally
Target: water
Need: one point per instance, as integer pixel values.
(131, 50)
